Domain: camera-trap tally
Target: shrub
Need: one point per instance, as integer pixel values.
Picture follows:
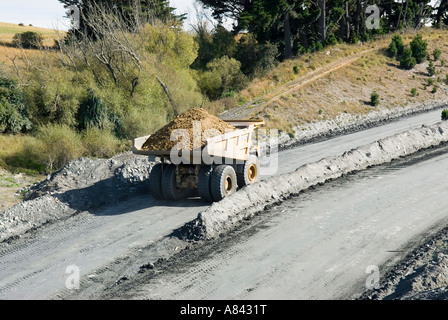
(55, 146)
(436, 54)
(396, 47)
(434, 89)
(392, 50)
(431, 69)
(414, 92)
(100, 143)
(256, 59)
(375, 98)
(407, 60)
(331, 40)
(14, 115)
(445, 114)
(296, 69)
(419, 48)
(28, 40)
(223, 75)
(92, 112)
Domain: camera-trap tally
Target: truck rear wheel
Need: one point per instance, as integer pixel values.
(204, 183)
(249, 172)
(223, 182)
(169, 185)
(155, 182)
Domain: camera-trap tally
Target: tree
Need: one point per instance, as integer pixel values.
(441, 13)
(256, 59)
(436, 54)
(228, 9)
(223, 76)
(396, 47)
(28, 40)
(375, 99)
(134, 12)
(419, 48)
(431, 69)
(322, 29)
(14, 114)
(407, 60)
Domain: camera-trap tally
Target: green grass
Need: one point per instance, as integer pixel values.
(8, 182)
(14, 157)
(8, 30)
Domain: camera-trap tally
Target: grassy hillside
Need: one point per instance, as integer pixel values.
(8, 30)
(341, 79)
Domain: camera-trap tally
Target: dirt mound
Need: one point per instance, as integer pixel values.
(210, 126)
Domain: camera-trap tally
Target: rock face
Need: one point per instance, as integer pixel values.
(188, 122)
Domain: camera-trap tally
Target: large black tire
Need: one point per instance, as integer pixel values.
(155, 182)
(204, 184)
(223, 182)
(249, 172)
(169, 185)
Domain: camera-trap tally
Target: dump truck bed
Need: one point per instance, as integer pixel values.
(234, 145)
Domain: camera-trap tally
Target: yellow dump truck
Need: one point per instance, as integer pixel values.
(225, 163)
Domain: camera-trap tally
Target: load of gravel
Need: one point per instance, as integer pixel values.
(210, 126)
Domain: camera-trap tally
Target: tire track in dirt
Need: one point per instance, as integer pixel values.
(255, 106)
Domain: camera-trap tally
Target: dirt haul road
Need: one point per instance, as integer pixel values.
(110, 244)
(333, 242)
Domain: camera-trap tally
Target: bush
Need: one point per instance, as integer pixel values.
(407, 60)
(296, 70)
(419, 48)
(392, 50)
(396, 47)
(55, 146)
(414, 92)
(28, 40)
(256, 59)
(331, 40)
(431, 69)
(375, 98)
(434, 89)
(92, 112)
(14, 115)
(223, 75)
(445, 114)
(100, 143)
(436, 54)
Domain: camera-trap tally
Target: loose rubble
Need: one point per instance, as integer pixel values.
(83, 184)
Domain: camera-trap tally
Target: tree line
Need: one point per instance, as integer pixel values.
(298, 25)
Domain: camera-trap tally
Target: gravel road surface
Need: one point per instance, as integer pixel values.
(109, 242)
